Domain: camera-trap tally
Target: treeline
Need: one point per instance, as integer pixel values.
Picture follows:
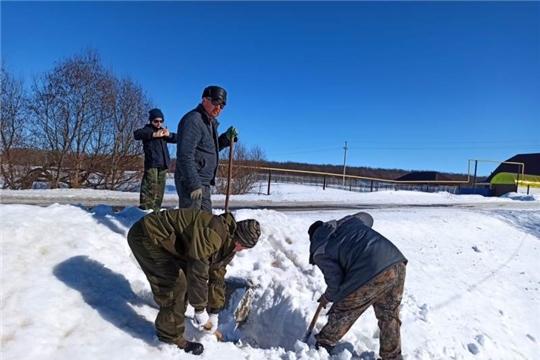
(73, 126)
(379, 173)
(387, 174)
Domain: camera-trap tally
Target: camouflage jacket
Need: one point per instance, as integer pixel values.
(203, 244)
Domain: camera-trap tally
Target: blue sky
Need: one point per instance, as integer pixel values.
(409, 85)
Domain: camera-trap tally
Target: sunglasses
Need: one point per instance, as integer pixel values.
(218, 102)
(158, 121)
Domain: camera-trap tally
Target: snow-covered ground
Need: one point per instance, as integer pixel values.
(280, 194)
(72, 289)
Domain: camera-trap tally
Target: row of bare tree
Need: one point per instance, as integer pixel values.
(73, 127)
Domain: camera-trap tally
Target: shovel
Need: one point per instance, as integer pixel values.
(239, 295)
(313, 322)
(229, 176)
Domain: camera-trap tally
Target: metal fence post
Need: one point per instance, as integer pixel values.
(269, 179)
(474, 178)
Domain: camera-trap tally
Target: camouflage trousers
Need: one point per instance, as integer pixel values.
(167, 281)
(384, 293)
(186, 202)
(152, 188)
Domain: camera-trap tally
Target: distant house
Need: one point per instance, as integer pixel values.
(520, 173)
(428, 181)
(427, 176)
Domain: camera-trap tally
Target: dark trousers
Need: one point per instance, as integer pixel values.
(186, 202)
(384, 293)
(152, 188)
(168, 284)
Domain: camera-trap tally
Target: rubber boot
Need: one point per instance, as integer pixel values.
(327, 347)
(194, 348)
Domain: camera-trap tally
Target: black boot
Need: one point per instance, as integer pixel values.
(193, 347)
(327, 347)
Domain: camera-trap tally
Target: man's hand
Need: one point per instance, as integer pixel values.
(200, 319)
(324, 301)
(196, 194)
(161, 133)
(231, 133)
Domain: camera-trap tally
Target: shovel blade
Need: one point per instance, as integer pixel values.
(239, 295)
(306, 337)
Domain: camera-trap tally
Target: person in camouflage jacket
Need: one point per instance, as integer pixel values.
(361, 268)
(184, 254)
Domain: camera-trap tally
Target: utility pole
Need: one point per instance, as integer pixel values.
(344, 161)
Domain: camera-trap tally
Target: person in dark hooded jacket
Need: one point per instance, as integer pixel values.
(184, 254)
(361, 268)
(155, 138)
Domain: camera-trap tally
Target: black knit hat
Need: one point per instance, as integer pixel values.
(215, 93)
(248, 232)
(155, 113)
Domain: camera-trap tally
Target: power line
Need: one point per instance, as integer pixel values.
(537, 147)
(344, 161)
(448, 142)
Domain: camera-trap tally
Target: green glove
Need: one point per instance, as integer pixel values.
(231, 133)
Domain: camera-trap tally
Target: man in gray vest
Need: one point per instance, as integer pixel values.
(361, 268)
(198, 147)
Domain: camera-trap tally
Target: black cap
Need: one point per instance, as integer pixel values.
(155, 113)
(215, 93)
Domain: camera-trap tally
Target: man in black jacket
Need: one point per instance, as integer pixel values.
(361, 268)
(156, 159)
(197, 153)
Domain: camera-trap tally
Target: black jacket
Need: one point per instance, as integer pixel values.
(197, 153)
(156, 153)
(350, 254)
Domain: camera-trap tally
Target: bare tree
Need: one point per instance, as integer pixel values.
(121, 163)
(66, 109)
(243, 178)
(13, 126)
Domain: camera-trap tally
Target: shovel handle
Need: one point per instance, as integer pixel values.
(229, 176)
(313, 322)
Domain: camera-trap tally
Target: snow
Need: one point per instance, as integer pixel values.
(72, 289)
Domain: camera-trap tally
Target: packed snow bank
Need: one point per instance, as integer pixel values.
(72, 289)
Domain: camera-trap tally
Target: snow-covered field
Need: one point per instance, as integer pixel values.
(72, 289)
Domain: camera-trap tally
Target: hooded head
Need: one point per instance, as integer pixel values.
(322, 236)
(314, 227)
(329, 228)
(365, 218)
(248, 232)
